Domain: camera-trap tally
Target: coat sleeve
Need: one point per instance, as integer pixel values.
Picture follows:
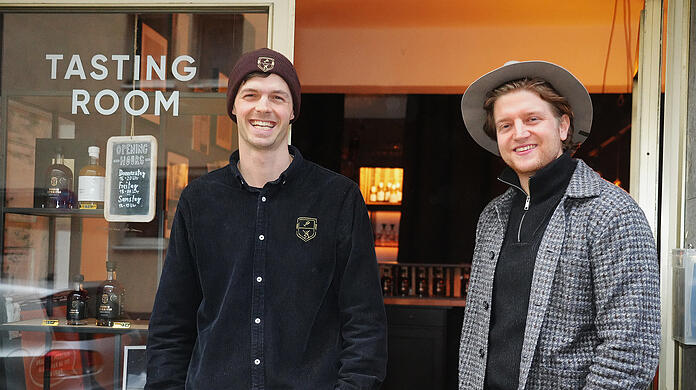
(625, 274)
(363, 357)
(172, 329)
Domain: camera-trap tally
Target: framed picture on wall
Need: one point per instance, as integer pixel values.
(224, 130)
(154, 45)
(200, 137)
(177, 180)
(223, 80)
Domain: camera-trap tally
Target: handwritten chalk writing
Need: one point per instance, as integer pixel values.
(136, 173)
(139, 148)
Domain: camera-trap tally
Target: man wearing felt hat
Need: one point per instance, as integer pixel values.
(270, 279)
(564, 289)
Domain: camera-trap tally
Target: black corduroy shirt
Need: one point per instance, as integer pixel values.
(270, 288)
(512, 283)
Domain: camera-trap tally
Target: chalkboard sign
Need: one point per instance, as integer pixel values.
(131, 174)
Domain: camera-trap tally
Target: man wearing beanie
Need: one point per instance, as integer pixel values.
(564, 289)
(270, 279)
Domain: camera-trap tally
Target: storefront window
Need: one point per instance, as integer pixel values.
(70, 82)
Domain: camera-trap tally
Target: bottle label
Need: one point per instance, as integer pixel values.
(110, 306)
(90, 189)
(76, 310)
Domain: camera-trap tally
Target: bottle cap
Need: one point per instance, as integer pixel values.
(78, 278)
(93, 151)
(111, 266)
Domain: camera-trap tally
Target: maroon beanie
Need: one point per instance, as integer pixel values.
(263, 61)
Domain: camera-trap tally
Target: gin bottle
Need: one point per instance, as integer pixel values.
(76, 313)
(110, 298)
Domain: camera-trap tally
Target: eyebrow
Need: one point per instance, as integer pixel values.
(276, 92)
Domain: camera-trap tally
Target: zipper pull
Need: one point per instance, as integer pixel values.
(526, 203)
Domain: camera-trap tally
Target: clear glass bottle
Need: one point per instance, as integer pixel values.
(59, 184)
(110, 298)
(76, 313)
(373, 194)
(380, 192)
(90, 193)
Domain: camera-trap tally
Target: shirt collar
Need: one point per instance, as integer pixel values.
(549, 180)
(287, 175)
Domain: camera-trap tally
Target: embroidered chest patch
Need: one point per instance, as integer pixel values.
(306, 228)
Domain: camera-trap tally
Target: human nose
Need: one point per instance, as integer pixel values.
(262, 104)
(520, 130)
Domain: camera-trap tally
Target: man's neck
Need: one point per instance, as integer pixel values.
(524, 182)
(259, 167)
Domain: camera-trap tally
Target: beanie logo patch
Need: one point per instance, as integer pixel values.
(265, 63)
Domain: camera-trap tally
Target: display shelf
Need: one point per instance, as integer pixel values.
(35, 325)
(425, 301)
(381, 206)
(54, 212)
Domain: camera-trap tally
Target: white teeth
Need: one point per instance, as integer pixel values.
(262, 124)
(525, 148)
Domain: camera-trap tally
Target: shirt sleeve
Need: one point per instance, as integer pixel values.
(626, 285)
(363, 358)
(172, 329)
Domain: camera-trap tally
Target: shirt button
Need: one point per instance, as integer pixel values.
(263, 198)
(261, 237)
(259, 279)
(482, 353)
(257, 320)
(257, 362)
(485, 305)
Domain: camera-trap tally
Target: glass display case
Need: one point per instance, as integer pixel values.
(382, 189)
(70, 82)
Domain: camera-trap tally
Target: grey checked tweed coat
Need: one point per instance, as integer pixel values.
(594, 311)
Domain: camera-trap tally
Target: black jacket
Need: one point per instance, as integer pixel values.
(272, 288)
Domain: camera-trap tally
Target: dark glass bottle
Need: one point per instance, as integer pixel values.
(110, 298)
(439, 287)
(59, 184)
(76, 313)
(404, 281)
(387, 282)
(422, 282)
(464, 283)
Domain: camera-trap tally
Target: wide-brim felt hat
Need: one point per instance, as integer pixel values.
(560, 79)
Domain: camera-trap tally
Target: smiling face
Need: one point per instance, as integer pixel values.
(529, 135)
(263, 107)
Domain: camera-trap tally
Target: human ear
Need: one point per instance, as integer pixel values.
(563, 126)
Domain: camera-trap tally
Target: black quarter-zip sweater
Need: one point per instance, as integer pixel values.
(270, 288)
(512, 284)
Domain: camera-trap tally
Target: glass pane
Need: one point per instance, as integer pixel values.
(70, 81)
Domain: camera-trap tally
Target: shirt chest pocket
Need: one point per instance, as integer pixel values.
(306, 267)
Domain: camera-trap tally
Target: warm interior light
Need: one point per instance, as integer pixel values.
(382, 185)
